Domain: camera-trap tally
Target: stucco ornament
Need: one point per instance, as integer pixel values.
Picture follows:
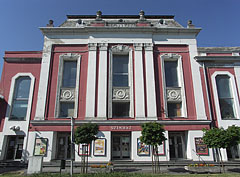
(120, 48)
(120, 93)
(174, 95)
(67, 95)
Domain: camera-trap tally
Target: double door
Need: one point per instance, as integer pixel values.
(63, 146)
(176, 146)
(121, 146)
(14, 147)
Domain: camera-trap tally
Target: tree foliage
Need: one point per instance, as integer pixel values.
(152, 134)
(86, 133)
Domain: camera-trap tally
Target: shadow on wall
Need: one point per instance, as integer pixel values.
(3, 109)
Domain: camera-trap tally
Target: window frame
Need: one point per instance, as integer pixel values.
(120, 50)
(236, 107)
(181, 86)
(74, 91)
(12, 92)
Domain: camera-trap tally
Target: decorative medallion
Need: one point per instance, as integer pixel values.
(67, 95)
(120, 93)
(174, 94)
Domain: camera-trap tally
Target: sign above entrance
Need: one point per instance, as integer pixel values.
(117, 128)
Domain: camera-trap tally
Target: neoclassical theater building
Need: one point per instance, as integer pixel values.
(118, 71)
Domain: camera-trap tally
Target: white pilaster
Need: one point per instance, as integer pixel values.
(102, 82)
(150, 81)
(43, 82)
(197, 87)
(91, 80)
(139, 82)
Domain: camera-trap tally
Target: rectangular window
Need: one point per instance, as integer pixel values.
(173, 88)
(20, 98)
(67, 89)
(225, 97)
(120, 86)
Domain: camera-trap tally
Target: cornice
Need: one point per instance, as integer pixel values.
(118, 122)
(217, 58)
(137, 29)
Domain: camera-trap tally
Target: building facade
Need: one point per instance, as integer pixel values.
(118, 71)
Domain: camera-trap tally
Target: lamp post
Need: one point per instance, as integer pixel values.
(72, 146)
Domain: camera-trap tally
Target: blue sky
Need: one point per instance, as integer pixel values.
(20, 19)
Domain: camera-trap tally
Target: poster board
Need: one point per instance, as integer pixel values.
(99, 147)
(40, 147)
(142, 148)
(84, 149)
(201, 148)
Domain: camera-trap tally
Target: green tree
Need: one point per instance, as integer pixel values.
(153, 134)
(85, 134)
(220, 138)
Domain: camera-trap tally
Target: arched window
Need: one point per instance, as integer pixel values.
(225, 96)
(20, 98)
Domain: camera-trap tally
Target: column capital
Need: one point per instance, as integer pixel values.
(92, 46)
(138, 46)
(148, 46)
(103, 46)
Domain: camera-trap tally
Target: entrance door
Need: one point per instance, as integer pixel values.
(176, 146)
(233, 153)
(14, 148)
(63, 146)
(121, 146)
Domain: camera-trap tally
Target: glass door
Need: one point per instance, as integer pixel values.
(121, 146)
(14, 148)
(64, 146)
(176, 146)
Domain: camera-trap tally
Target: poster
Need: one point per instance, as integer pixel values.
(161, 149)
(84, 149)
(100, 147)
(142, 148)
(40, 146)
(201, 148)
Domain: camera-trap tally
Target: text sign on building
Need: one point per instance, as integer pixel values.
(121, 128)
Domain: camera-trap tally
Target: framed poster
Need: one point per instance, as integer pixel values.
(99, 147)
(201, 148)
(161, 149)
(40, 147)
(142, 148)
(84, 149)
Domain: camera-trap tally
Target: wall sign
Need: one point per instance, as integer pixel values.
(40, 147)
(121, 127)
(100, 147)
(84, 149)
(201, 148)
(142, 148)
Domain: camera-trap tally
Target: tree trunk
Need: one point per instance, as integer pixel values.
(152, 159)
(220, 154)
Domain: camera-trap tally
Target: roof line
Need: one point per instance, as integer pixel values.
(121, 16)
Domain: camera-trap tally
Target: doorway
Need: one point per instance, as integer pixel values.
(14, 147)
(64, 146)
(121, 146)
(176, 145)
(233, 153)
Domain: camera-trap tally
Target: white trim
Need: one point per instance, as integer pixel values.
(62, 58)
(178, 58)
(102, 82)
(24, 125)
(139, 81)
(91, 81)
(123, 50)
(150, 82)
(233, 87)
(43, 80)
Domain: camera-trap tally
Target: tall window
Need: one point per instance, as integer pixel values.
(67, 103)
(120, 86)
(175, 97)
(225, 96)
(20, 98)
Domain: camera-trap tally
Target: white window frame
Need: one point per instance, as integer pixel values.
(62, 58)
(120, 50)
(178, 58)
(11, 96)
(236, 107)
